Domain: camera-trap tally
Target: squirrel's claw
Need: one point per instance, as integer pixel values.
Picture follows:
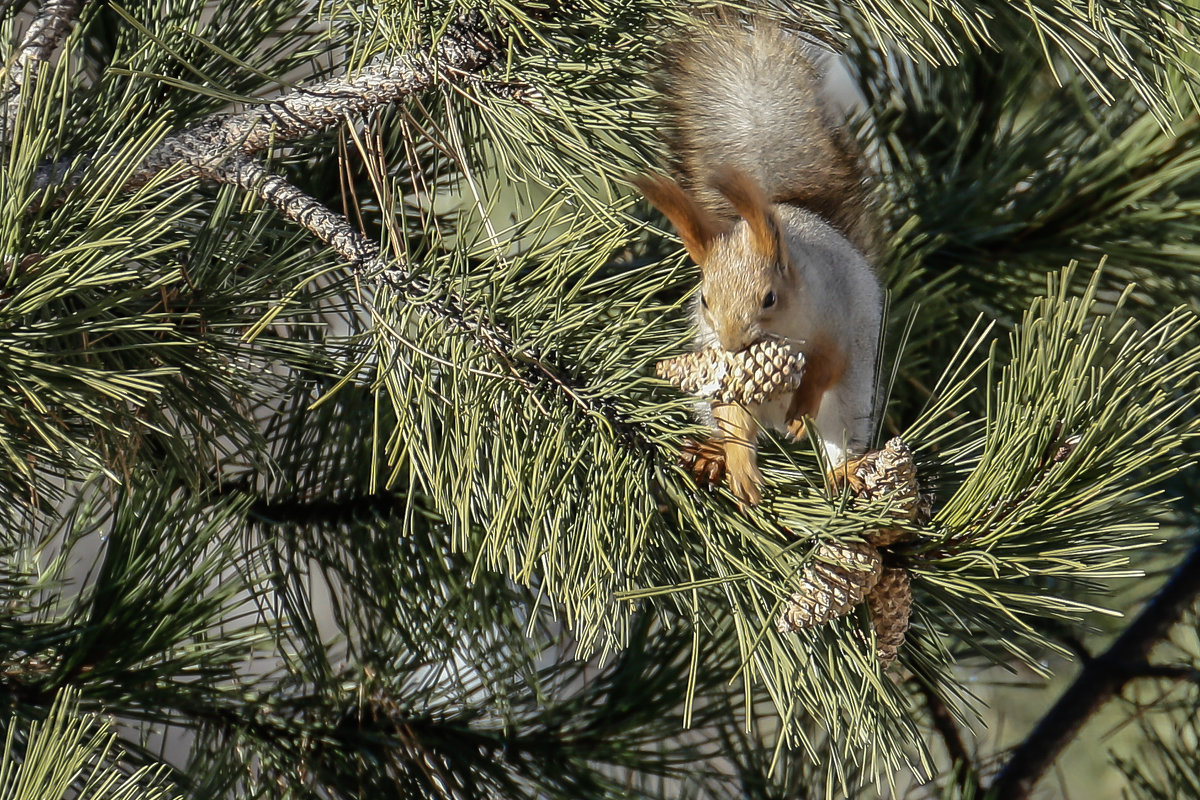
(846, 474)
(708, 464)
(704, 460)
(744, 485)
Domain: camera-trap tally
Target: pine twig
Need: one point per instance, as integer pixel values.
(320, 510)
(330, 227)
(43, 37)
(1169, 672)
(221, 147)
(1100, 679)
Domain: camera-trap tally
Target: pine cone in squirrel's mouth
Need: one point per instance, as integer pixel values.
(761, 371)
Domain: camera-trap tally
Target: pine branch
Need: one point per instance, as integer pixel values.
(1099, 680)
(45, 33)
(326, 510)
(218, 148)
(368, 262)
(70, 753)
(301, 510)
(1170, 672)
(331, 228)
(464, 50)
(552, 495)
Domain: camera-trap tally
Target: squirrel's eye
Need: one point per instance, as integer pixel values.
(769, 300)
(703, 301)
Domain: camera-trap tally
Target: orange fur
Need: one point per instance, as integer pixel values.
(824, 365)
(751, 203)
(696, 226)
(740, 432)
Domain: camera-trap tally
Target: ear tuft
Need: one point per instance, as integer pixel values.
(752, 204)
(696, 226)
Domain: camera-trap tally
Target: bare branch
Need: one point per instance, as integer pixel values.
(1169, 672)
(43, 37)
(330, 227)
(1100, 679)
(944, 723)
(337, 232)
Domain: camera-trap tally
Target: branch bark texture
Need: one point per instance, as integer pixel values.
(364, 256)
(944, 723)
(1101, 678)
(45, 34)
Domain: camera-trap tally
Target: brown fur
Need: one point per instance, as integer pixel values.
(824, 365)
(697, 228)
(705, 460)
(751, 204)
(743, 95)
(842, 196)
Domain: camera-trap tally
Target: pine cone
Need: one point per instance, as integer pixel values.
(838, 579)
(890, 475)
(759, 372)
(891, 605)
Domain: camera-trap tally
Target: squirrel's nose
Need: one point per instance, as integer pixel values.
(734, 339)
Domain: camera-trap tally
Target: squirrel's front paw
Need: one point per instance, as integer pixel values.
(745, 486)
(705, 460)
(709, 465)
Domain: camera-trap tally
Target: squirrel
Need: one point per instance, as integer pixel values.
(771, 201)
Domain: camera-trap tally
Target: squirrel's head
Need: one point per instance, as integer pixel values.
(747, 281)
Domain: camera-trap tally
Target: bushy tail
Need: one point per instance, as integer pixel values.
(743, 94)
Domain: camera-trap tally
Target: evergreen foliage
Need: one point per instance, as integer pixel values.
(71, 749)
(410, 526)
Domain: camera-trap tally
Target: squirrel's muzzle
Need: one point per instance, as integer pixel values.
(735, 339)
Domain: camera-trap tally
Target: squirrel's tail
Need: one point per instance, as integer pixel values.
(743, 94)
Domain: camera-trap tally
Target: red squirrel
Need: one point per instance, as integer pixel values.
(771, 202)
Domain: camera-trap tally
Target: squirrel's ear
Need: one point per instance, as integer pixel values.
(696, 226)
(751, 203)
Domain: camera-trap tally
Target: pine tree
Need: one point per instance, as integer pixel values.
(334, 463)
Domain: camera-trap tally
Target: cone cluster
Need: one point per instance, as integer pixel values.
(843, 574)
(765, 369)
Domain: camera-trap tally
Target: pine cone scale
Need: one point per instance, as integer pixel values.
(891, 607)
